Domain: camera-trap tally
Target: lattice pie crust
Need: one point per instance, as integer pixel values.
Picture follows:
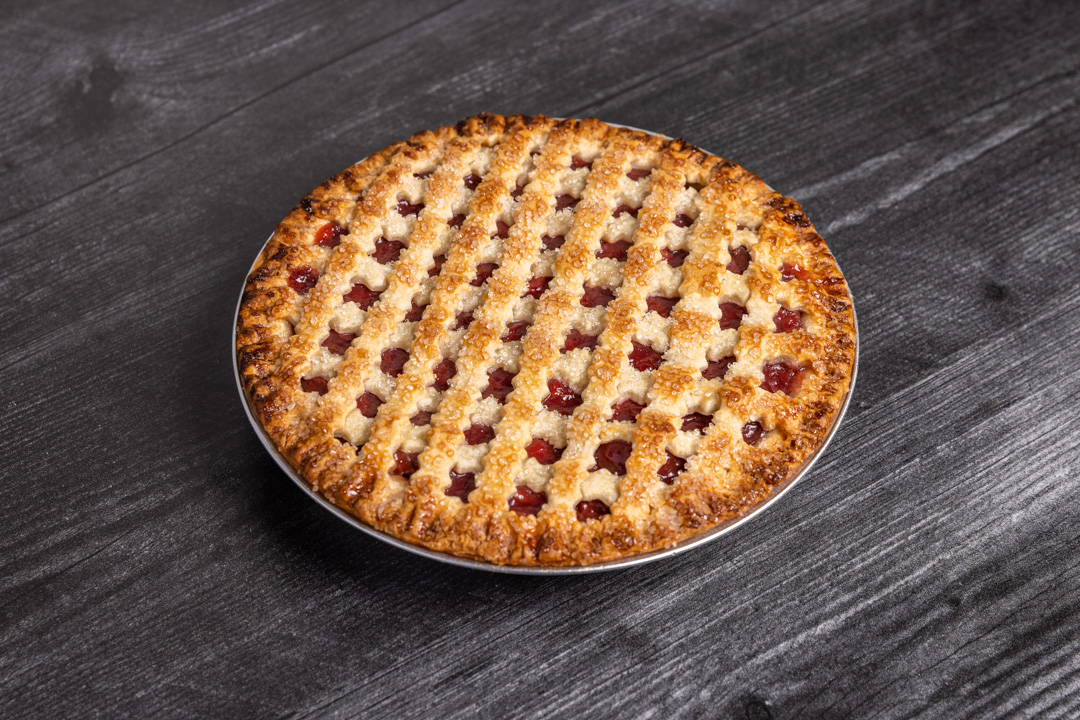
(542, 342)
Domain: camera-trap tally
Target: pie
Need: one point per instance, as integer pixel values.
(530, 341)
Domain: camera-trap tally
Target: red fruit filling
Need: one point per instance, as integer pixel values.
(405, 463)
(393, 361)
(674, 258)
(789, 272)
(536, 287)
(329, 235)
(423, 175)
(456, 220)
(576, 339)
(731, 315)
(683, 220)
(303, 279)
(472, 180)
(415, 313)
(561, 397)
(662, 306)
(515, 331)
(463, 320)
(781, 376)
(436, 267)
(479, 434)
(338, 343)
(422, 417)
(752, 432)
(499, 384)
(553, 242)
(696, 422)
(517, 191)
(591, 510)
(740, 260)
(565, 201)
(483, 272)
(576, 162)
(643, 357)
(671, 468)
(612, 456)
(623, 209)
(638, 173)
(461, 484)
(716, 369)
(595, 296)
(614, 250)
(543, 452)
(405, 209)
(526, 502)
(387, 251)
(502, 230)
(368, 404)
(626, 410)
(445, 370)
(362, 295)
(787, 320)
(315, 384)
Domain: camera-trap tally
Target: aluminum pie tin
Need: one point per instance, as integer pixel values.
(639, 559)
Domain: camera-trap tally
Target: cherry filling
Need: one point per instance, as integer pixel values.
(638, 173)
(472, 180)
(591, 510)
(423, 175)
(787, 320)
(338, 343)
(421, 418)
(565, 201)
(368, 404)
(461, 484)
(553, 242)
(479, 434)
(740, 260)
(624, 209)
(499, 384)
(502, 230)
(387, 251)
(671, 468)
(362, 295)
(517, 191)
(614, 250)
(576, 163)
(612, 456)
(643, 357)
(445, 370)
(596, 296)
(626, 410)
(731, 315)
(415, 313)
(483, 272)
(662, 306)
(315, 384)
(576, 339)
(561, 397)
(515, 331)
(781, 376)
(393, 361)
(456, 220)
(436, 266)
(405, 463)
(543, 452)
(789, 272)
(525, 501)
(752, 432)
(696, 422)
(329, 235)
(674, 258)
(463, 320)
(716, 369)
(683, 221)
(536, 287)
(405, 208)
(303, 279)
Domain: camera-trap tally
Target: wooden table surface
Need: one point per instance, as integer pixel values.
(155, 561)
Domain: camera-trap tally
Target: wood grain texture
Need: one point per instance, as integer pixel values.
(156, 562)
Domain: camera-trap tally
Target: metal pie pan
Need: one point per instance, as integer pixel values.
(639, 559)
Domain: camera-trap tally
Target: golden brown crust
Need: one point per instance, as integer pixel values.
(327, 317)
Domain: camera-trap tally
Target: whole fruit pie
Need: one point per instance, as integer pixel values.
(529, 341)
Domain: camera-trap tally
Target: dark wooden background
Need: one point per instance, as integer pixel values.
(156, 563)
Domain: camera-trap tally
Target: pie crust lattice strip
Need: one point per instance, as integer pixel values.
(542, 342)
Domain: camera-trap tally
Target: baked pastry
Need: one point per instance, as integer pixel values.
(545, 342)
